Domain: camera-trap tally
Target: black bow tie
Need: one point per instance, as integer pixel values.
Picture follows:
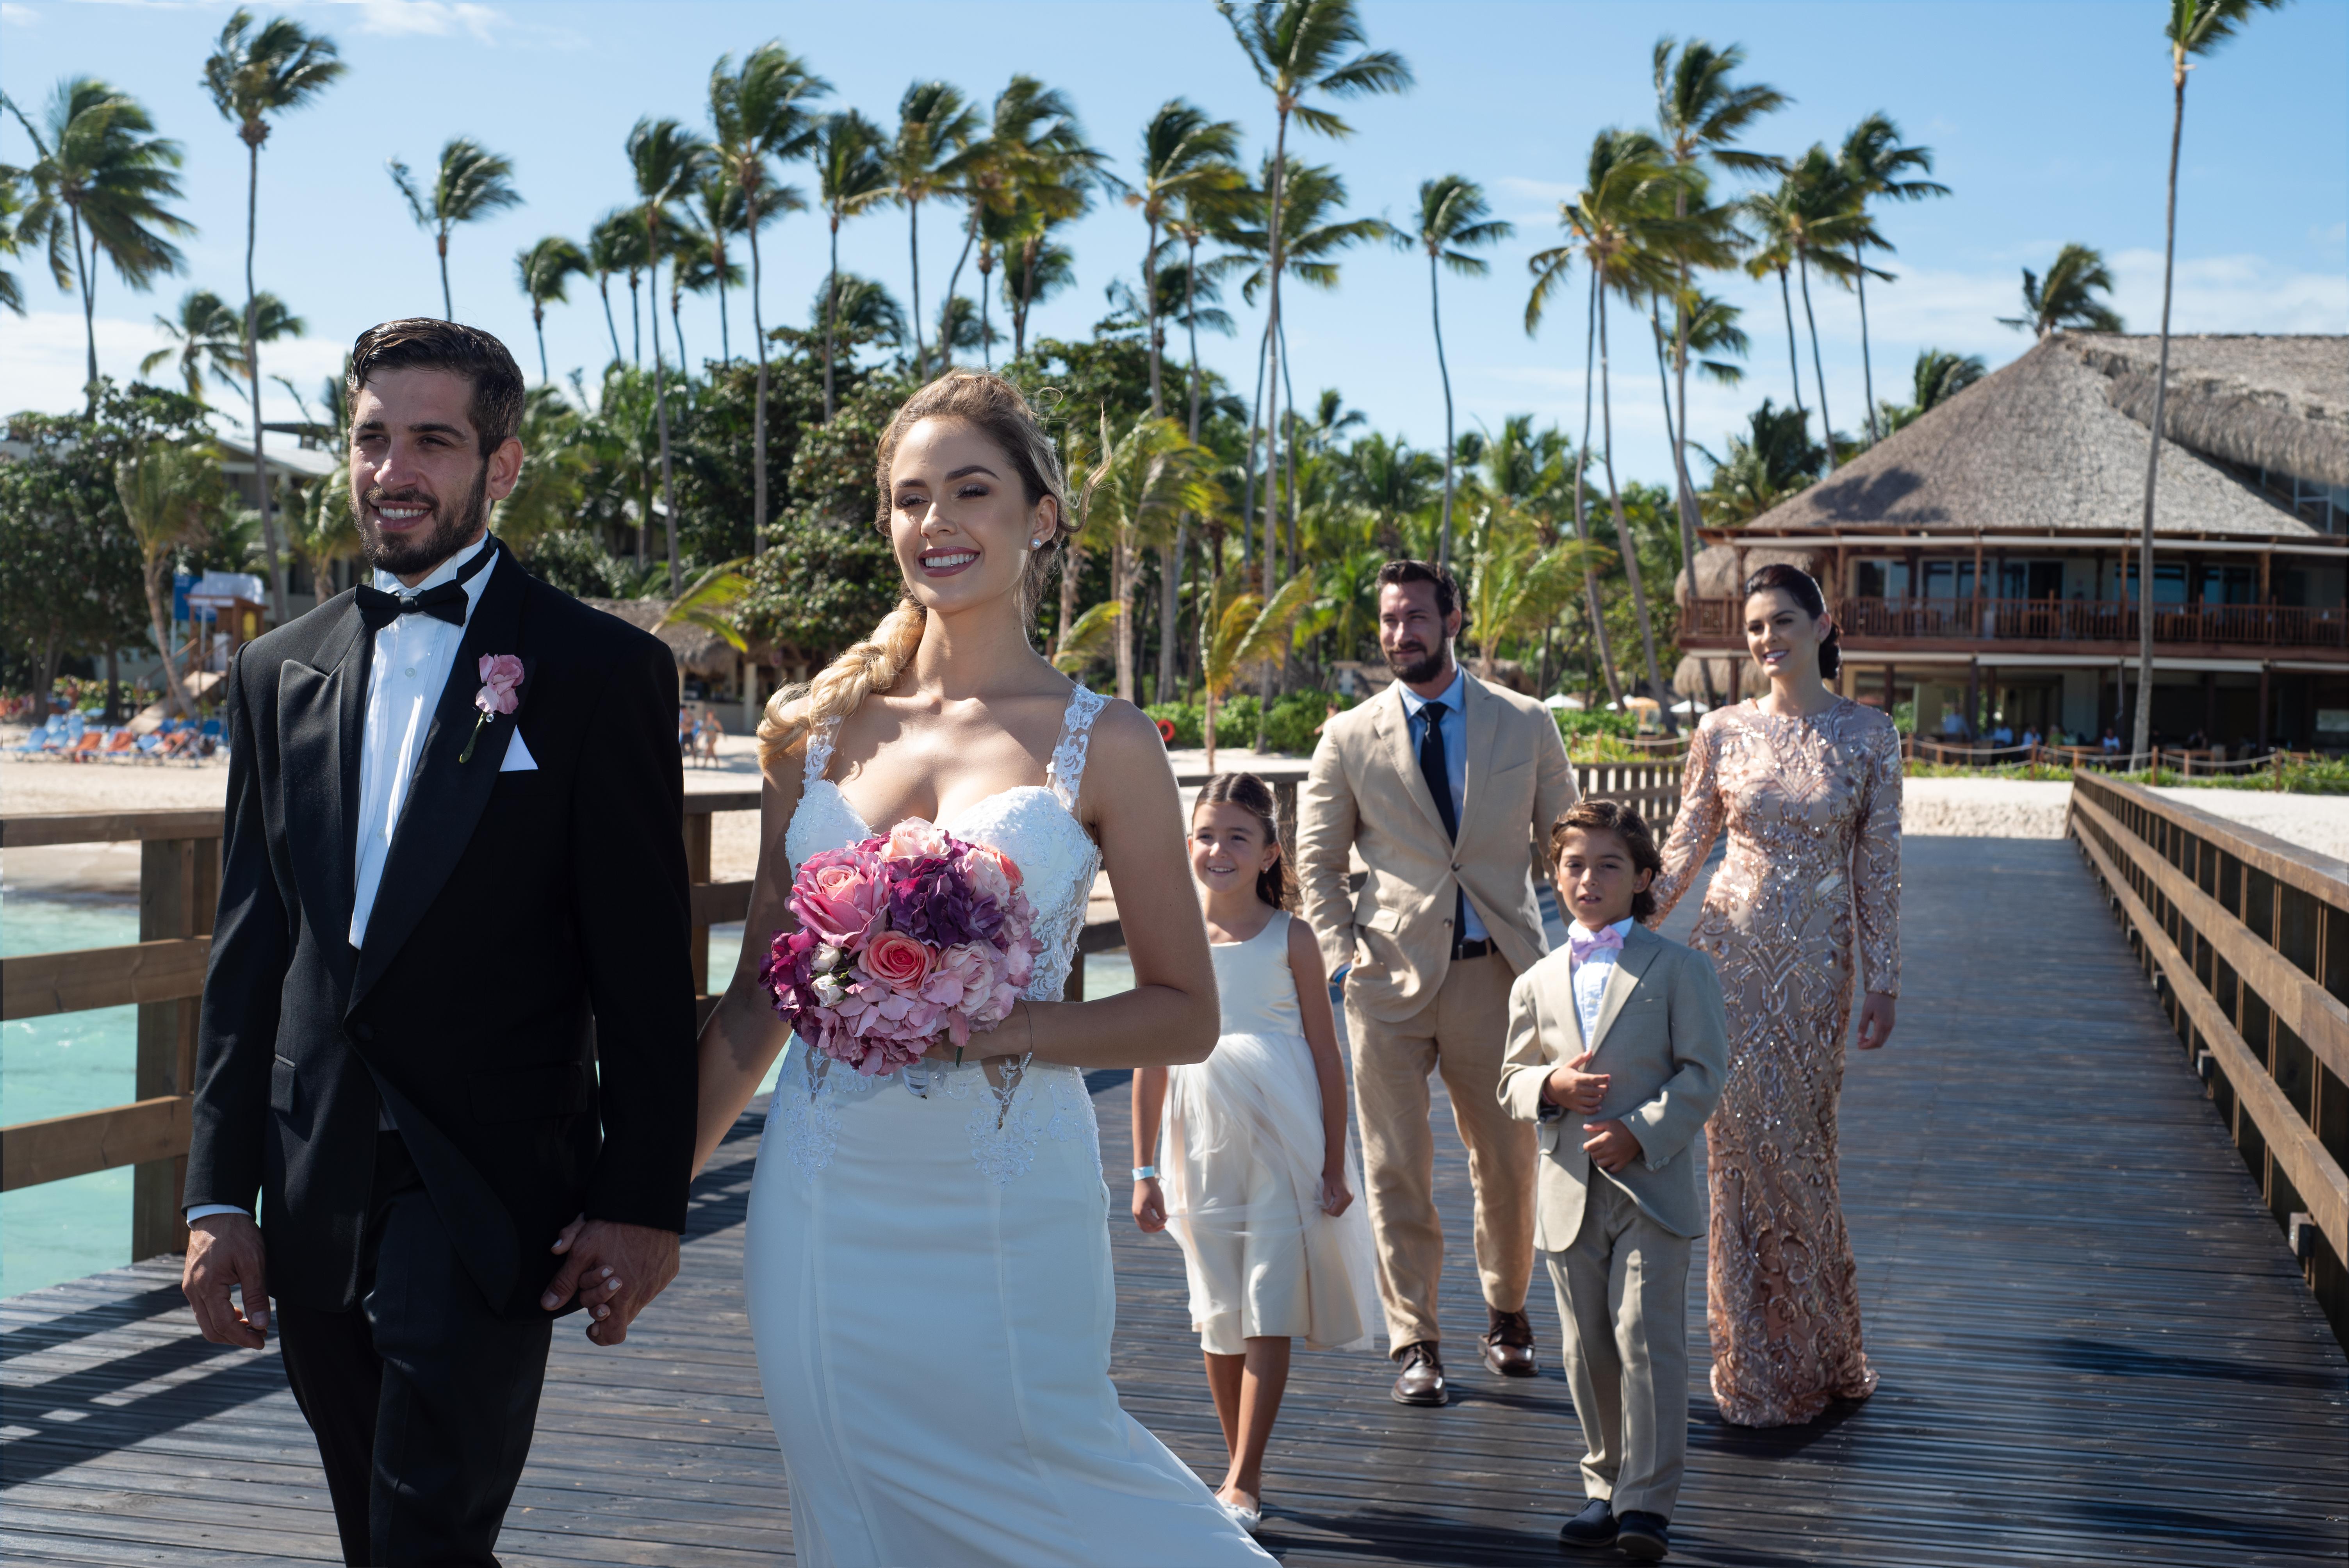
(446, 603)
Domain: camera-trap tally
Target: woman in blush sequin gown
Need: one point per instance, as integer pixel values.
(1806, 902)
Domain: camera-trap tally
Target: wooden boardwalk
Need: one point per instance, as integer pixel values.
(2095, 1347)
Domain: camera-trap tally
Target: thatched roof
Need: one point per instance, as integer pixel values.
(2280, 403)
(698, 651)
(2040, 447)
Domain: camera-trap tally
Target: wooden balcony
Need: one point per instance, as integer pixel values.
(2077, 626)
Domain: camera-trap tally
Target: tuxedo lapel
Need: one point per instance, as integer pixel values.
(1394, 726)
(436, 825)
(1640, 950)
(321, 720)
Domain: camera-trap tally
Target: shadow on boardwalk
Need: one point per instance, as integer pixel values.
(2095, 1348)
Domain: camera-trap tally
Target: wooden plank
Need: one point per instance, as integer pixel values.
(2305, 1008)
(2319, 876)
(703, 803)
(22, 831)
(32, 1153)
(38, 984)
(718, 904)
(2314, 1174)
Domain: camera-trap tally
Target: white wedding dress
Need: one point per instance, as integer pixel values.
(928, 1275)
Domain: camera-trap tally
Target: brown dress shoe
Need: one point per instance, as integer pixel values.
(1421, 1381)
(1509, 1344)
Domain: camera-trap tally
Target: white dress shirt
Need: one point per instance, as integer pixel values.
(412, 659)
(1591, 978)
(1455, 730)
(413, 656)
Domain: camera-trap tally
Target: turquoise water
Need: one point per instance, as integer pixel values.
(55, 1066)
(87, 1061)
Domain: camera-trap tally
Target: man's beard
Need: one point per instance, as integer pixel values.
(409, 554)
(1418, 670)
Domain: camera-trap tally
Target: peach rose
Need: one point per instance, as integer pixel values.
(915, 840)
(896, 961)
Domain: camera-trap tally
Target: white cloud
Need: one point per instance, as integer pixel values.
(445, 18)
(43, 360)
(16, 15)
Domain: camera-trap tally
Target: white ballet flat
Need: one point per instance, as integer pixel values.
(1248, 1518)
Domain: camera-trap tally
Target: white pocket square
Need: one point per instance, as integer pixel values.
(518, 757)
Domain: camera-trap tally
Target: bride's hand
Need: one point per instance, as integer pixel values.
(1149, 1206)
(1336, 1196)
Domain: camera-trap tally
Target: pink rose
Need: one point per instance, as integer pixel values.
(839, 893)
(500, 678)
(965, 972)
(916, 840)
(1003, 864)
(898, 962)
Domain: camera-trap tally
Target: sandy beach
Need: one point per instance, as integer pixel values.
(1965, 808)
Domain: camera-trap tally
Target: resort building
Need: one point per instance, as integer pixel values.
(1982, 561)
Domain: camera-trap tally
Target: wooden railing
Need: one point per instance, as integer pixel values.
(162, 974)
(2247, 939)
(2054, 621)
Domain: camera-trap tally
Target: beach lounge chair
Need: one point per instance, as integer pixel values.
(120, 743)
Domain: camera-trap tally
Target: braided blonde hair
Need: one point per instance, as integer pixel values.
(996, 410)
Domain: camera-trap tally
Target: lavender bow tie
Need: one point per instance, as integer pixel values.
(1583, 943)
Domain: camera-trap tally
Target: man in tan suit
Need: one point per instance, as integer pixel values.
(1618, 1051)
(1444, 785)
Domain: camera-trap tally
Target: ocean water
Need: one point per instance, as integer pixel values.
(85, 1061)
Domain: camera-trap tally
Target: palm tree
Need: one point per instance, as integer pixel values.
(558, 454)
(1700, 113)
(719, 210)
(935, 127)
(472, 182)
(1245, 630)
(860, 310)
(1875, 162)
(209, 333)
(100, 172)
(1939, 376)
(1184, 154)
(1301, 48)
(2066, 297)
(1031, 132)
(850, 180)
(1149, 479)
(667, 161)
(1710, 327)
(761, 116)
(1452, 216)
(13, 201)
(1773, 460)
(1034, 269)
(319, 531)
(2195, 28)
(165, 488)
(544, 271)
(1772, 214)
(615, 245)
(1823, 220)
(252, 74)
(1621, 225)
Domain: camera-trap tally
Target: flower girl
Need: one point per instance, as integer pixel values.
(1253, 1172)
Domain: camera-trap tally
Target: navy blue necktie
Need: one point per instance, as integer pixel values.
(1432, 766)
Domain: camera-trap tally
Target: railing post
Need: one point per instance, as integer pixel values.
(697, 871)
(179, 890)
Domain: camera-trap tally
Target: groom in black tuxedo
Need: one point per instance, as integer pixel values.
(450, 1008)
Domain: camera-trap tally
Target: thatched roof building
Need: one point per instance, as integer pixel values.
(1998, 533)
(699, 652)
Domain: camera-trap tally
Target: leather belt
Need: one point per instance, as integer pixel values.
(1477, 949)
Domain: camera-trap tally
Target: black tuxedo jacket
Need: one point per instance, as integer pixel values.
(523, 1003)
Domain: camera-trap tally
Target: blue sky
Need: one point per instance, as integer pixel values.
(2049, 120)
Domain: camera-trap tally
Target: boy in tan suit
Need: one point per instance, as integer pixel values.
(1617, 1050)
(1446, 787)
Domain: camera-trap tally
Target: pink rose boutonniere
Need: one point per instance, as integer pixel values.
(500, 679)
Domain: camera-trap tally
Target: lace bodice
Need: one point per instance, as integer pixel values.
(1036, 825)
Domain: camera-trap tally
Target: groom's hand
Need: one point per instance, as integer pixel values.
(615, 1270)
(224, 1250)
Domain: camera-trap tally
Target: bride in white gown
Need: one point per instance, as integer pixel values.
(927, 1262)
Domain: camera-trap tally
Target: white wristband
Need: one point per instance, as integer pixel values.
(1145, 1173)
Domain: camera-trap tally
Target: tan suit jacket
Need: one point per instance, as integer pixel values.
(1365, 792)
(1663, 1041)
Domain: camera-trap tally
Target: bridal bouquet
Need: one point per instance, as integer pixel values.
(901, 940)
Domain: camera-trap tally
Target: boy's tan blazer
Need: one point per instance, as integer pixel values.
(1663, 1041)
(1365, 792)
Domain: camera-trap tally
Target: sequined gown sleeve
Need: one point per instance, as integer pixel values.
(1806, 900)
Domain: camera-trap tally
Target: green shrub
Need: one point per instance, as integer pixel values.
(1573, 724)
(1289, 729)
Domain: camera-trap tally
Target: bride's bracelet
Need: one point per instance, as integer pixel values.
(1145, 1173)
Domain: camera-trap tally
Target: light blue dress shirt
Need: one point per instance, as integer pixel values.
(1455, 763)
